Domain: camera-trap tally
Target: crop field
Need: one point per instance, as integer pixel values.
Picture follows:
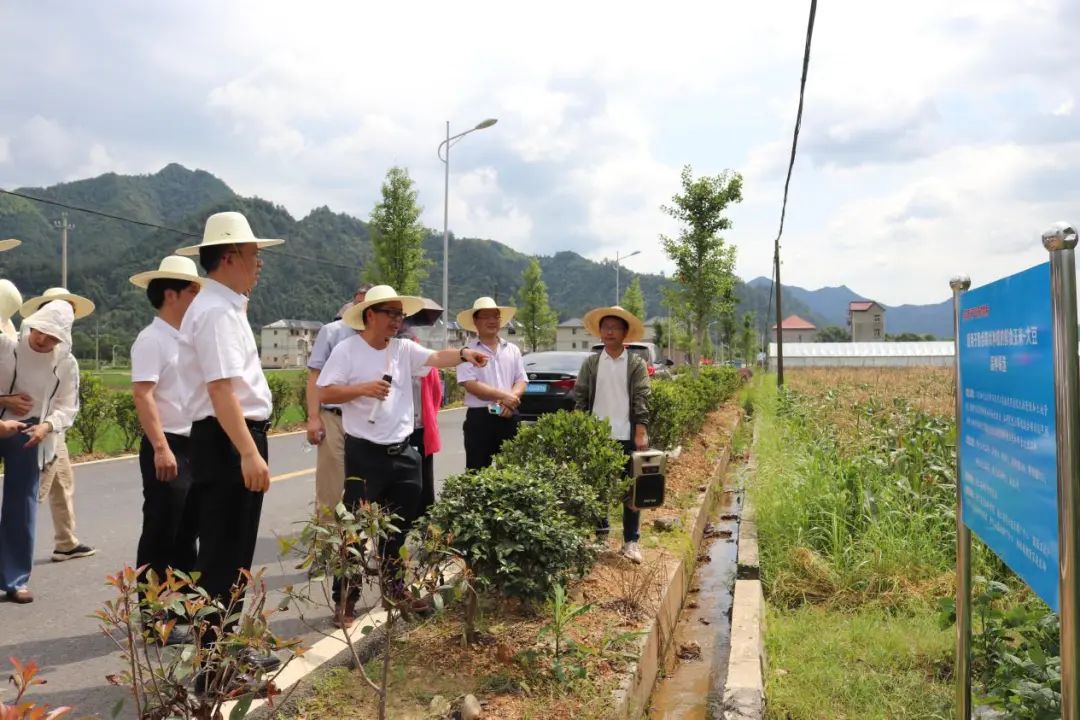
(855, 496)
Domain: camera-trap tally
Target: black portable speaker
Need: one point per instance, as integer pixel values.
(647, 486)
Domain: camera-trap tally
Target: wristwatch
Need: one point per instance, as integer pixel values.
(461, 354)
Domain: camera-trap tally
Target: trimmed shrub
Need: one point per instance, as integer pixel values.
(127, 419)
(509, 526)
(580, 447)
(453, 392)
(300, 393)
(95, 411)
(282, 393)
(678, 406)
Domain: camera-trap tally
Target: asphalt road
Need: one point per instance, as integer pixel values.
(57, 629)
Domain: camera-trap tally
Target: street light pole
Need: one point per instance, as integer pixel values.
(617, 258)
(446, 220)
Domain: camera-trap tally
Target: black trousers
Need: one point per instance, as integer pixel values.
(392, 480)
(484, 435)
(228, 513)
(427, 473)
(631, 519)
(169, 520)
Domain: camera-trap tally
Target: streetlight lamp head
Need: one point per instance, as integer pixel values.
(486, 124)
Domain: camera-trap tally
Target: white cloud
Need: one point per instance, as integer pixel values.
(933, 139)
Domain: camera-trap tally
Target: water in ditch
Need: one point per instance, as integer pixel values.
(692, 687)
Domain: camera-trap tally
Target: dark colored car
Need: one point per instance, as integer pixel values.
(551, 377)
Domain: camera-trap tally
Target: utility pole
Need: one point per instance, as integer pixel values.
(779, 325)
(64, 226)
(97, 343)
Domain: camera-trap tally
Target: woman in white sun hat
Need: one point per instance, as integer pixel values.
(39, 367)
(169, 524)
(57, 483)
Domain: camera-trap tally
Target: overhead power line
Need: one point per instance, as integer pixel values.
(776, 284)
(157, 226)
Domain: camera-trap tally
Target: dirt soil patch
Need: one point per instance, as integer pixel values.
(509, 668)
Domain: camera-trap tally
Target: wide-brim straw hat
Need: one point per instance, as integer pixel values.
(83, 306)
(354, 316)
(465, 317)
(9, 244)
(173, 267)
(227, 228)
(592, 320)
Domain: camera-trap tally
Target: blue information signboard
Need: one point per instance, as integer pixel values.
(1008, 453)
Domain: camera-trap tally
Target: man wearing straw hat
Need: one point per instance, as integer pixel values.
(370, 376)
(228, 401)
(493, 392)
(324, 421)
(58, 478)
(168, 519)
(614, 385)
(40, 367)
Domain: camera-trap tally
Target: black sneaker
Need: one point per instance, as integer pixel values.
(79, 551)
(258, 661)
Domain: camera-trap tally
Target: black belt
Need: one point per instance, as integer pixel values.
(335, 410)
(259, 426)
(393, 449)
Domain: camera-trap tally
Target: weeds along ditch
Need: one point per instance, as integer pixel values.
(856, 499)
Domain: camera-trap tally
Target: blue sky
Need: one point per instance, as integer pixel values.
(937, 137)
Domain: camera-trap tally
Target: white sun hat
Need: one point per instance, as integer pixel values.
(10, 302)
(83, 306)
(9, 244)
(53, 319)
(354, 316)
(465, 317)
(173, 267)
(635, 328)
(227, 228)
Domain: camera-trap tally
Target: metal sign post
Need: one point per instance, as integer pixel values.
(1060, 241)
(959, 284)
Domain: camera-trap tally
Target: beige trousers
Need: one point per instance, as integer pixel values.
(58, 485)
(330, 465)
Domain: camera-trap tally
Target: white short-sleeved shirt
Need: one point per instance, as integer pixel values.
(154, 359)
(354, 361)
(612, 396)
(504, 369)
(216, 342)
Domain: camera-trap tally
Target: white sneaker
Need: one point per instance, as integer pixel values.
(631, 552)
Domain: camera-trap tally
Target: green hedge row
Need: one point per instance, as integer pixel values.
(528, 523)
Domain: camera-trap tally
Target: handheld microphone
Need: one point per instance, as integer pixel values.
(378, 403)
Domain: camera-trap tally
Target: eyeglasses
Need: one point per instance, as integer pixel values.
(391, 313)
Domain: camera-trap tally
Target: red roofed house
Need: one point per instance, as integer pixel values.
(797, 330)
(867, 321)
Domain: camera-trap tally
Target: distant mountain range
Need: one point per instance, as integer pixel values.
(317, 269)
(828, 306)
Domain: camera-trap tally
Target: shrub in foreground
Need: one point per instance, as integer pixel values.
(510, 528)
(586, 459)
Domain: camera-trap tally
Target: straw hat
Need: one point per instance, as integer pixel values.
(592, 320)
(10, 301)
(173, 267)
(9, 244)
(83, 306)
(354, 316)
(227, 228)
(465, 317)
